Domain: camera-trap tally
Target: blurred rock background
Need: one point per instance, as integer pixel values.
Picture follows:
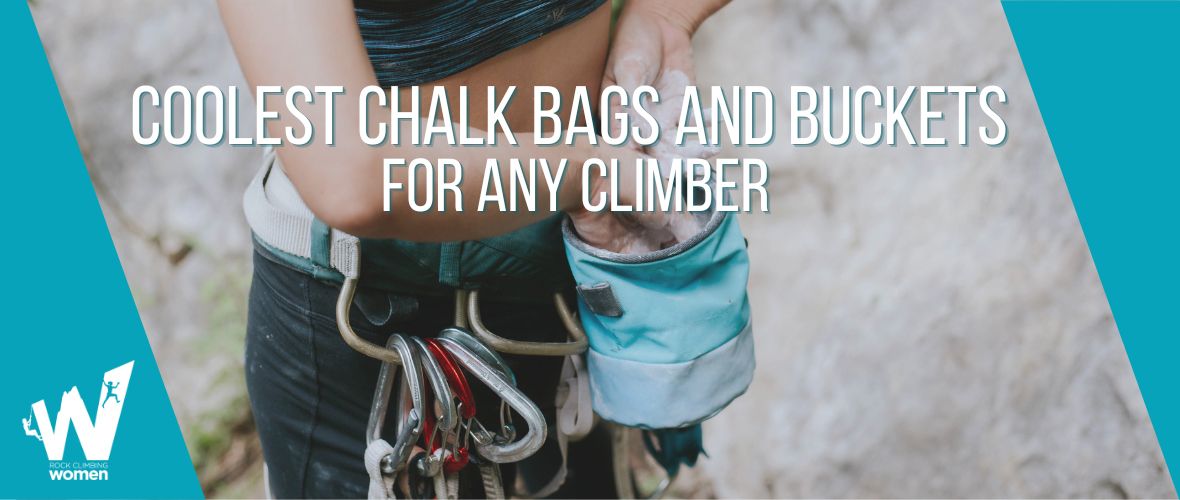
(929, 321)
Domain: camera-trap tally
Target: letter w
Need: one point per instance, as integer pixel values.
(97, 437)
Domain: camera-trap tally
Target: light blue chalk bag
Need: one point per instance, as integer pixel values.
(670, 334)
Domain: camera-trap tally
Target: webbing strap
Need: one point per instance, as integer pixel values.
(380, 484)
(440, 486)
(575, 418)
(493, 483)
(292, 231)
(321, 243)
(450, 257)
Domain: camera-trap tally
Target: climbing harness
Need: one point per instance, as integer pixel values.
(577, 346)
(575, 419)
(434, 403)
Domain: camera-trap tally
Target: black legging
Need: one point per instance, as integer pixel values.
(311, 392)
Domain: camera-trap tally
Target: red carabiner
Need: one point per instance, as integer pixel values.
(455, 378)
(452, 465)
(458, 382)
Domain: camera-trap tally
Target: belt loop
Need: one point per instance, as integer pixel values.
(451, 256)
(321, 244)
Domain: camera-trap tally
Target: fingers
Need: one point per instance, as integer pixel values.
(624, 233)
(634, 71)
(691, 149)
(671, 86)
(683, 226)
(647, 240)
(640, 56)
(600, 230)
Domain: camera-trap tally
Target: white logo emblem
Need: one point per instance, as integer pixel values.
(96, 437)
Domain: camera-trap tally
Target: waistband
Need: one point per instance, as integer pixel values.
(527, 265)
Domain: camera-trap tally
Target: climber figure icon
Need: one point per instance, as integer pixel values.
(29, 430)
(110, 393)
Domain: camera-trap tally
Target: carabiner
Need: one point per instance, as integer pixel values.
(458, 382)
(577, 346)
(455, 378)
(343, 305)
(411, 427)
(439, 384)
(507, 430)
(457, 460)
(487, 448)
(473, 344)
(431, 465)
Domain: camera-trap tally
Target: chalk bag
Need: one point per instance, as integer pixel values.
(671, 340)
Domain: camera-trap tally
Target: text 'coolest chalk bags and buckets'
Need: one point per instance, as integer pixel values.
(671, 340)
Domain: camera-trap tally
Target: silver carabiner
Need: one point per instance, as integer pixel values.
(492, 358)
(538, 430)
(412, 423)
(377, 412)
(438, 384)
(489, 356)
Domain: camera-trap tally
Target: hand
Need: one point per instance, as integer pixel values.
(619, 232)
(632, 232)
(652, 46)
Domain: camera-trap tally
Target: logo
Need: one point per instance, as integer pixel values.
(96, 437)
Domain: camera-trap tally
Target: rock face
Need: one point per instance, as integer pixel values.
(175, 214)
(929, 321)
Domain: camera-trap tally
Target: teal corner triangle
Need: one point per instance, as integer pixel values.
(1104, 75)
(69, 314)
